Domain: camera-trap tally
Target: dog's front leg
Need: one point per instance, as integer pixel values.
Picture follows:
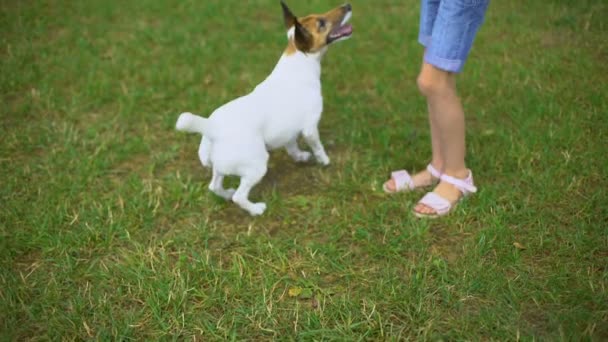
(294, 151)
(311, 136)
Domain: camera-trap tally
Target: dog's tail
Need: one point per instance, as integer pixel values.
(189, 122)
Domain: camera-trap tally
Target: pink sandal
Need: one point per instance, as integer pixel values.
(404, 182)
(441, 205)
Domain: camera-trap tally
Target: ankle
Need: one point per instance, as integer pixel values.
(437, 165)
(461, 173)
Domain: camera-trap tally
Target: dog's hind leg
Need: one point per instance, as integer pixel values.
(204, 152)
(311, 136)
(294, 151)
(216, 186)
(248, 181)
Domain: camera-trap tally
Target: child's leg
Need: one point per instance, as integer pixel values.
(447, 47)
(428, 16)
(437, 157)
(447, 129)
(428, 13)
(447, 117)
(424, 178)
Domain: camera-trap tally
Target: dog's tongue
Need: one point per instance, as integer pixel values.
(342, 31)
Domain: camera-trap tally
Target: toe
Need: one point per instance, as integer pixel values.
(424, 209)
(390, 185)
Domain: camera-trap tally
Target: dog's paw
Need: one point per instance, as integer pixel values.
(257, 209)
(302, 157)
(323, 160)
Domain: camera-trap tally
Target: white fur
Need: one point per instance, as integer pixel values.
(291, 32)
(237, 136)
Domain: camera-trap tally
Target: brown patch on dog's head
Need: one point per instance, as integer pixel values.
(316, 31)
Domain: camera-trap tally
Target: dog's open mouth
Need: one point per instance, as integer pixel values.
(343, 31)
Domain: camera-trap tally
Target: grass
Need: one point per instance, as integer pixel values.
(107, 230)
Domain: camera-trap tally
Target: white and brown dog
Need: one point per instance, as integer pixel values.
(287, 104)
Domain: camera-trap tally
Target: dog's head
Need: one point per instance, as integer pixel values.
(314, 32)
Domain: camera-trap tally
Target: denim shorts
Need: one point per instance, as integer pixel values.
(447, 30)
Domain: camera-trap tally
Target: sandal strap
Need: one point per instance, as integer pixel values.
(440, 205)
(402, 180)
(433, 171)
(465, 186)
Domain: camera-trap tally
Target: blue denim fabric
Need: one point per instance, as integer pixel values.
(447, 30)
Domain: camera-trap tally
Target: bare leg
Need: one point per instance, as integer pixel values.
(437, 158)
(447, 118)
(424, 177)
(294, 152)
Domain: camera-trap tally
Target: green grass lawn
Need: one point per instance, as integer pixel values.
(108, 231)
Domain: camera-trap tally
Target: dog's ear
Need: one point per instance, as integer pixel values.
(290, 19)
(303, 38)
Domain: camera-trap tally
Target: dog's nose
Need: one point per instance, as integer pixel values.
(348, 7)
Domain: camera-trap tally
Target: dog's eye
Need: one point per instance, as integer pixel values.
(321, 23)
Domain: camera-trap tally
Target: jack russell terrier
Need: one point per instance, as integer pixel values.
(288, 103)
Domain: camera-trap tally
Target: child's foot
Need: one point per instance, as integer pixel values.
(402, 181)
(445, 195)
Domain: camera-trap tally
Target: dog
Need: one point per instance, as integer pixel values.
(287, 104)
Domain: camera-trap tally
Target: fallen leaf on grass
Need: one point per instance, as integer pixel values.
(519, 246)
(295, 291)
(299, 292)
